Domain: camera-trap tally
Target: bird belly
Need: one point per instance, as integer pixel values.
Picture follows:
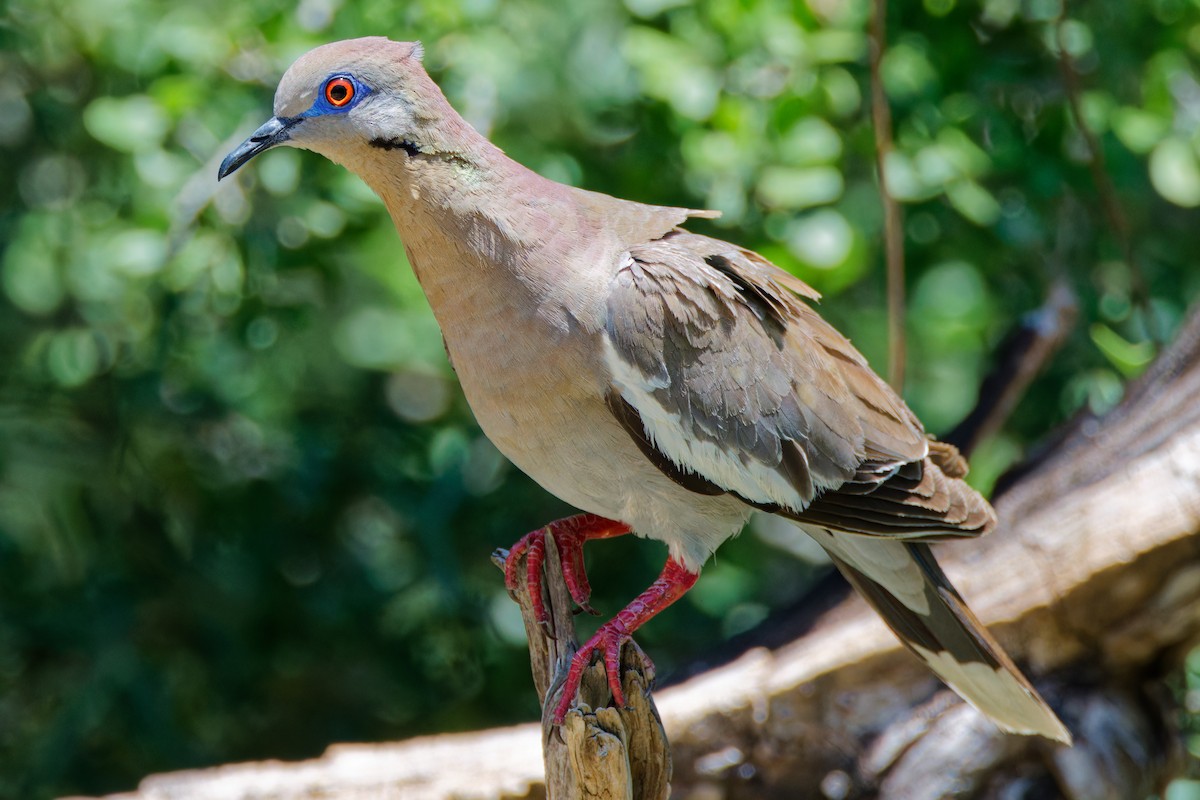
(548, 417)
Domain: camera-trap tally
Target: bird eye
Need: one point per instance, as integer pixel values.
(339, 92)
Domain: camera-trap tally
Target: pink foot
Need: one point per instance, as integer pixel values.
(569, 535)
(674, 581)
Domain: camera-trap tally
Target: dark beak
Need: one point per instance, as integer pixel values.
(274, 132)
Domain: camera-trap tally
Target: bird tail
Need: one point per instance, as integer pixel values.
(904, 583)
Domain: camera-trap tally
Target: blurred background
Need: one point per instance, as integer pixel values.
(244, 510)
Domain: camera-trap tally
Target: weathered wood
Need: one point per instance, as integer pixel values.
(1092, 582)
(601, 752)
(548, 650)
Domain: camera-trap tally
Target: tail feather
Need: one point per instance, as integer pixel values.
(904, 583)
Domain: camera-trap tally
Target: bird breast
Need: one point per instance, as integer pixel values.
(535, 379)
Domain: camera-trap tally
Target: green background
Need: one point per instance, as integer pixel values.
(244, 510)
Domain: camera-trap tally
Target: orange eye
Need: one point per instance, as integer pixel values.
(339, 92)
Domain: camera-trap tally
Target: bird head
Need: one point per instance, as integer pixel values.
(346, 96)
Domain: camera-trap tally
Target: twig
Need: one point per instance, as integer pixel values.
(1020, 357)
(893, 221)
(1114, 213)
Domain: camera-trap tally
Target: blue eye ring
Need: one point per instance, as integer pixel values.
(338, 94)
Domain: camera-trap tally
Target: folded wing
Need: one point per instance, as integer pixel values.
(726, 377)
(730, 383)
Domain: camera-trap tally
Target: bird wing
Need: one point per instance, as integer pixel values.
(730, 383)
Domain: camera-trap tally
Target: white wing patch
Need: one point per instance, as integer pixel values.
(754, 481)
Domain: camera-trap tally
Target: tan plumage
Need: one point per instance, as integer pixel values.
(665, 381)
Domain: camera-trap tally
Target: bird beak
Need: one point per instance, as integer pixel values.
(273, 132)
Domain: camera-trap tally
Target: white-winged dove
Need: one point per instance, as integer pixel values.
(664, 382)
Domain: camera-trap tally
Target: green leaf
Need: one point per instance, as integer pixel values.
(1175, 172)
(128, 124)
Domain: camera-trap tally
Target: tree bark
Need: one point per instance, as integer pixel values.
(600, 752)
(1092, 583)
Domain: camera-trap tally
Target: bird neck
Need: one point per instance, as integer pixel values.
(469, 216)
(467, 198)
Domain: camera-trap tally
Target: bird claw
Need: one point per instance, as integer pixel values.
(569, 535)
(614, 634)
(607, 641)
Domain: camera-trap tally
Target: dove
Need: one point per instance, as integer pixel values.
(663, 382)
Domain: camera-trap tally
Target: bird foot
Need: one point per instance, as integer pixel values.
(674, 581)
(608, 642)
(569, 535)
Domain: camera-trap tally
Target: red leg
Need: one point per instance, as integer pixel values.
(674, 581)
(569, 535)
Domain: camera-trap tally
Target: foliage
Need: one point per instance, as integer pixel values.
(244, 511)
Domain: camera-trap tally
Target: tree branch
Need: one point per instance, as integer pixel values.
(1023, 354)
(1110, 205)
(893, 216)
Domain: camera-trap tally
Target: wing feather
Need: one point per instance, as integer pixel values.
(735, 384)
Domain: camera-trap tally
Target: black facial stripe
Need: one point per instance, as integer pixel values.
(396, 144)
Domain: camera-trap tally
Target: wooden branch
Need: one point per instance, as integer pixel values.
(1093, 583)
(601, 751)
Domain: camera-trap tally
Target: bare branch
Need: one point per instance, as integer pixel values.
(893, 216)
(1019, 359)
(1110, 205)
